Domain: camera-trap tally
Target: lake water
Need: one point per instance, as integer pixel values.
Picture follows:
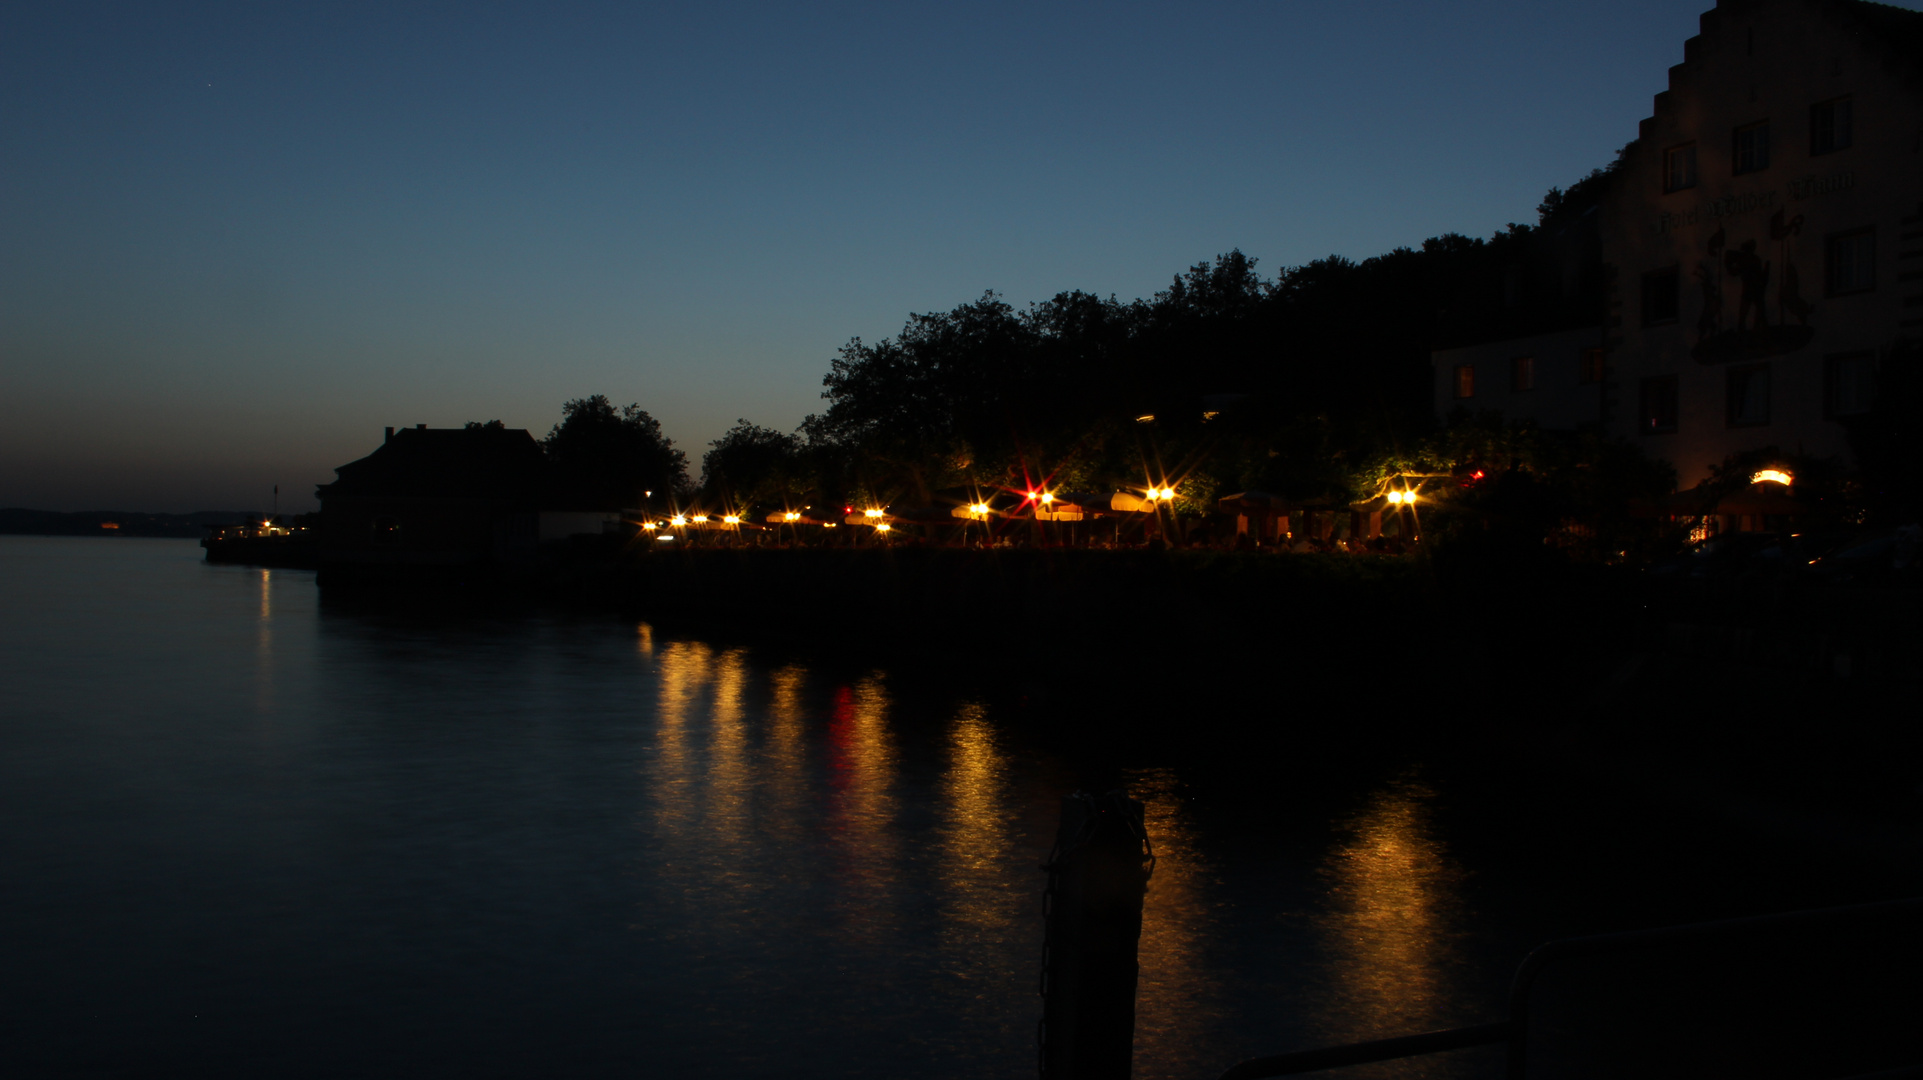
(248, 833)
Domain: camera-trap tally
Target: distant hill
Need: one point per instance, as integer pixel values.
(18, 522)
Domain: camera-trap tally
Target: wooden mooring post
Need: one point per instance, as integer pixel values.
(1097, 876)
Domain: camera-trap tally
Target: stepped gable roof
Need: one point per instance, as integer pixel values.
(464, 463)
(1890, 34)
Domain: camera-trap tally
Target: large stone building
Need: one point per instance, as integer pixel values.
(1762, 244)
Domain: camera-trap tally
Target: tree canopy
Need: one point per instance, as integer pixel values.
(611, 455)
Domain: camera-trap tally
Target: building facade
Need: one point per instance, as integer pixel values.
(1551, 380)
(1762, 238)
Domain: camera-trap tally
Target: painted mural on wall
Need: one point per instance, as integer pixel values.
(1741, 319)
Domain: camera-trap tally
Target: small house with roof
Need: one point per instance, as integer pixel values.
(444, 499)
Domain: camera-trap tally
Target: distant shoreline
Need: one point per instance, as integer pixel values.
(17, 521)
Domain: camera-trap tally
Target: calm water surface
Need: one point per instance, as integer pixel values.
(249, 834)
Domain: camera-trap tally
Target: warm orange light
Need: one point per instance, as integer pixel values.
(791, 516)
(1772, 476)
(677, 521)
(700, 519)
(1168, 493)
(883, 527)
(731, 519)
(648, 526)
(1047, 498)
(979, 508)
(872, 513)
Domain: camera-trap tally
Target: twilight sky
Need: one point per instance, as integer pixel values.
(240, 239)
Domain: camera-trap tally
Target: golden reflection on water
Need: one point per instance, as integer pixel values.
(264, 647)
(730, 781)
(644, 640)
(1177, 993)
(685, 670)
(1388, 922)
(974, 834)
(785, 779)
(861, 802)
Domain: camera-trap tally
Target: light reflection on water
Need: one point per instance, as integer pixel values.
(1177, 1001)
(545, 840)
(974, 840)
(1389, 924)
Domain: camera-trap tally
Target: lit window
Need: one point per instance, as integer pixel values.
(1662, 296)
(1589, 369)
(1850, 262)
(1749, 395)
(1830, 124)
(1522, 373)
(1751, 152)
(1465, 380)
(1679, 167)
(1658, 415)
(1848, 383)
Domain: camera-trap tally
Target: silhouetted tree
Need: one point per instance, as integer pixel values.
(752, 465)
(612, 455)
(1291, 384)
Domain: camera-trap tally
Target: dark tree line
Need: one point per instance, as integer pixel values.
(1313, 383)
(1228, 379)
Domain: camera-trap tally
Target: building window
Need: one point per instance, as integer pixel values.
(1679, 167)
(1748, 395)
(1752, 148)
(1465, 380)
(1658, 406)
(1829, 126)
(1850, 262)
(1522, 373)
(1589, 367)
(1848, 382)
(1662, 296)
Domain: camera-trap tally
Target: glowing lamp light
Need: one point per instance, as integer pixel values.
(700, 519)
(978, 508)
(791, 516)
(1772, 476)
(1047, 498)
(648, 526)
(677, 521)
(871, 513)
(731, 519)
(883, 527)
(1164, 494)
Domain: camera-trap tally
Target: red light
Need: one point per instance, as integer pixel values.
(1478, 475)
(1033, 495)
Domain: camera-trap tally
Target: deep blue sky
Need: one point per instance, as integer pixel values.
(240, 239)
